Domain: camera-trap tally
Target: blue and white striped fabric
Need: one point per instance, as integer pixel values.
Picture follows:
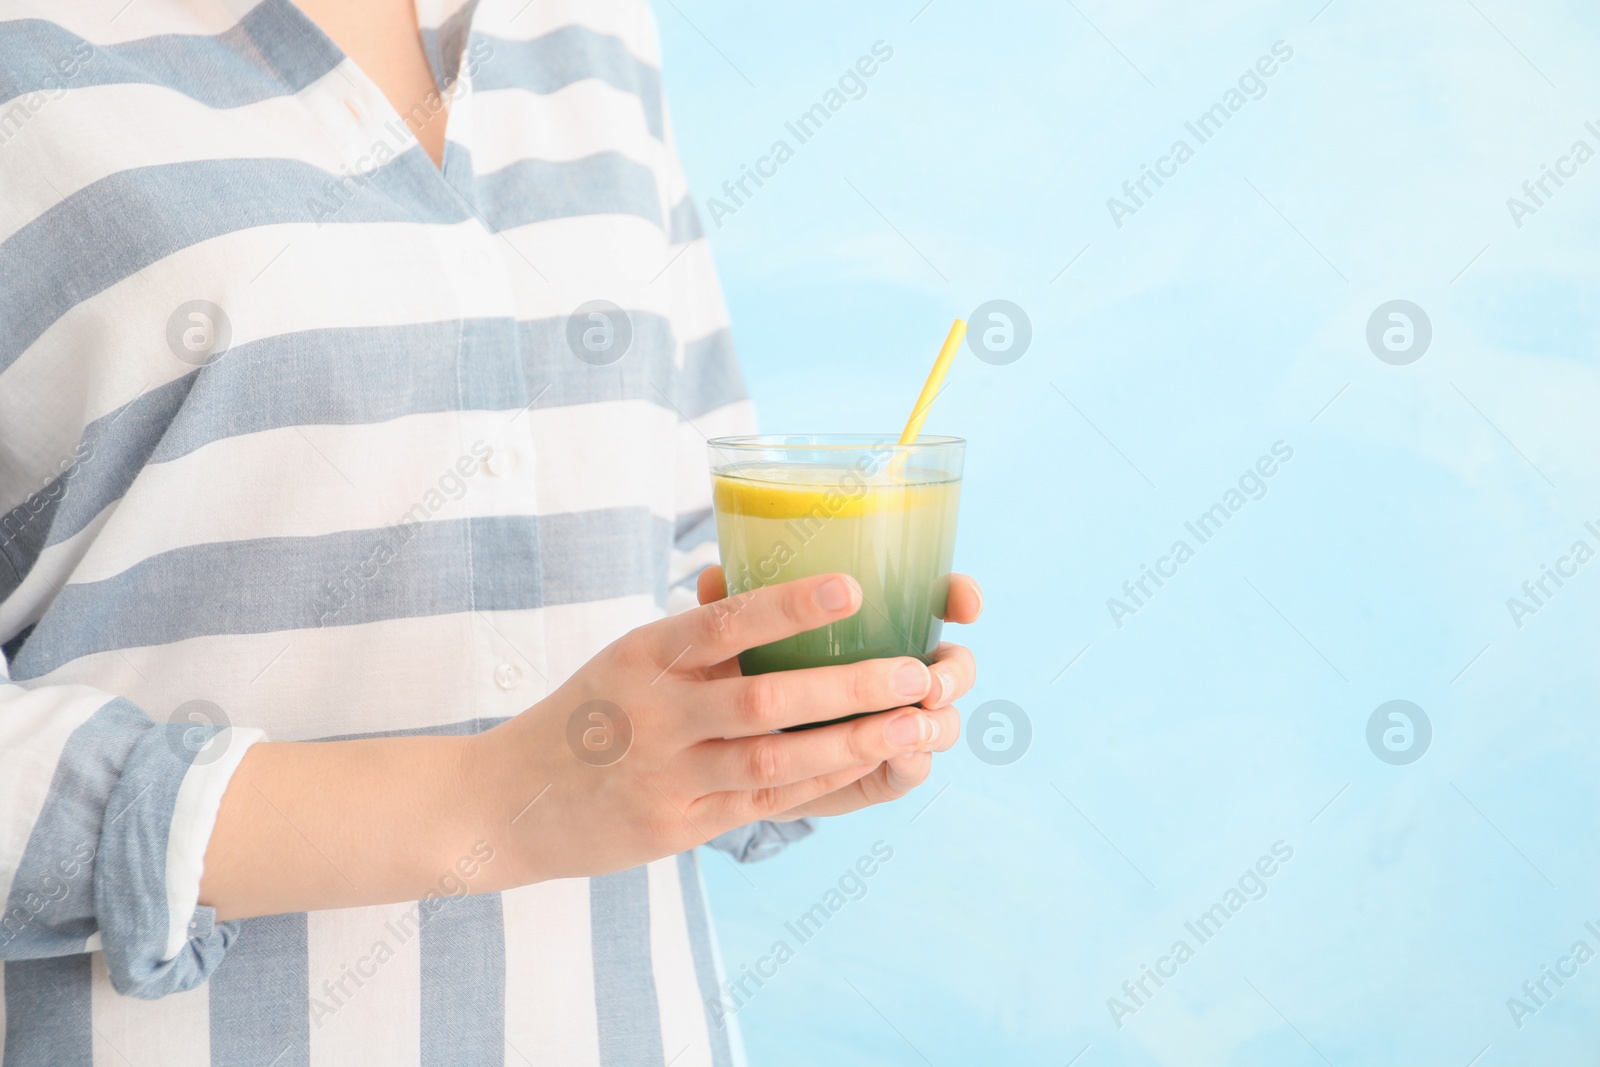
(296, 443)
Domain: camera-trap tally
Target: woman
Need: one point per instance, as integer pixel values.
(355, 362)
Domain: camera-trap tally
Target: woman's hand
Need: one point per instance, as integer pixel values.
(658, 744)
(954, 672)
(654, 746)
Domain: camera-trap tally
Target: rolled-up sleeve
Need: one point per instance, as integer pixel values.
(760, 840)
(106, 819)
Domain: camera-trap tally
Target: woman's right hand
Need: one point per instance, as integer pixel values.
(658, 744)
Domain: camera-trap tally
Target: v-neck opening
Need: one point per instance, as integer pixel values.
(318, 37)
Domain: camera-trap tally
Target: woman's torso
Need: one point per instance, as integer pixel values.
(302, 433)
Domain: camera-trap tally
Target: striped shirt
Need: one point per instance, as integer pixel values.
(302, 437)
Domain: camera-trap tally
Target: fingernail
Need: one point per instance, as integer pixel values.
(911, 680)
(947, 687)
(934, 730)
(833, 595)
(904, 731)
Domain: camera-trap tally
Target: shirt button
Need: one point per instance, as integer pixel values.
(497, 462)
(508, 676)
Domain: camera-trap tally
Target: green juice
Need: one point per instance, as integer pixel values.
(896, 536)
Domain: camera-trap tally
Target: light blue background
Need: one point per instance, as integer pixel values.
(1219, 719)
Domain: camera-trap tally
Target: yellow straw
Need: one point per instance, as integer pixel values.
(930, 388)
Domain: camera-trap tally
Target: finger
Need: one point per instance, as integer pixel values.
(887, 781)
(965, 600)
(903, 774)
(710, 586)
(723, 629)
(893, 778)
(946, 732)
(759, 704)
(772, 760)
(954, 672)
(742, 806)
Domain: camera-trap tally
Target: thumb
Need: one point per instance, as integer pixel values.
(710, 586)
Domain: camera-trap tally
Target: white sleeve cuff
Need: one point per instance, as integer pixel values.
(193, 818)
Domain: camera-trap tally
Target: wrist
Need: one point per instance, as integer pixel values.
(498, 791)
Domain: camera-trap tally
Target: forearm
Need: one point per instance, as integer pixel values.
(341, 824)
